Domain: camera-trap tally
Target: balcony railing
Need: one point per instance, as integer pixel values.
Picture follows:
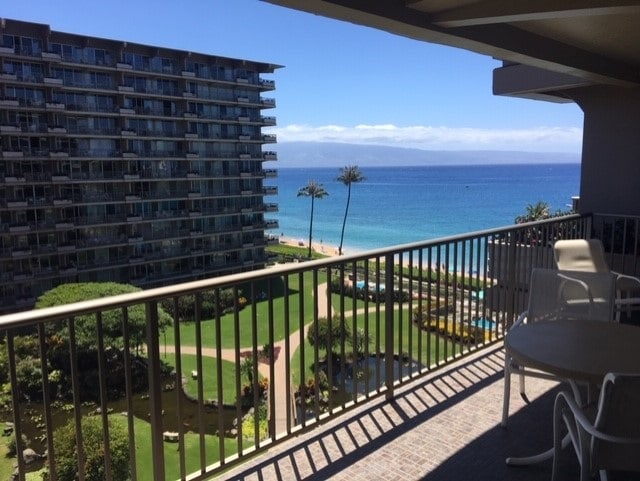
(230, 365)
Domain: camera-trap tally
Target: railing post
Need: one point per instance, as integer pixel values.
(388, 329)
(155, 391)
(511, 277)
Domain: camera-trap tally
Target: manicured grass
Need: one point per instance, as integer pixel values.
(287, 252)
(208, 376)
(6, 463)
(227, 322)
(144, 458)
(172, 455)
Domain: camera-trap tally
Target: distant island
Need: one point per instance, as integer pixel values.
(334, 154)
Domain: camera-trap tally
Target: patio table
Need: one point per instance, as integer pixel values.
(577, 351)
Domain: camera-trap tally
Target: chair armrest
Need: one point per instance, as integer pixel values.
(627, 283)
(520, 320)
(566, 398)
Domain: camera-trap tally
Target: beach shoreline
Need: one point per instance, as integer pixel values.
(320, 247)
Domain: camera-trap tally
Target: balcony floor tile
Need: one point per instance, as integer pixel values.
(444, 426)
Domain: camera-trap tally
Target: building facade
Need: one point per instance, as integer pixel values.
(128, 163)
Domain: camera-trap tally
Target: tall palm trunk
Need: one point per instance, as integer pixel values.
(311, 226)
(344, 221)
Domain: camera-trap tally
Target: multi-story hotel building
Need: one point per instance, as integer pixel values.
(126, 162)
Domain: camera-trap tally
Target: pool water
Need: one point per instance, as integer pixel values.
(372, 286)
(484, 323)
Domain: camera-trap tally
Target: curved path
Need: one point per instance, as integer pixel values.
(279, 367)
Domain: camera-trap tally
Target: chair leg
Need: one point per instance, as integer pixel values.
(523, 394)
(557, 439)
(507, 391)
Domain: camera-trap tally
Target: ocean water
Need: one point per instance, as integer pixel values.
(397, 205)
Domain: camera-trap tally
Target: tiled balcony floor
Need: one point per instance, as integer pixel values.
(442, 427)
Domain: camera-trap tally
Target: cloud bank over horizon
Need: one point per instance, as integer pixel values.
(539, 139)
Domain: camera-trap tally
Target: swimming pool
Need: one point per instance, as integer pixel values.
(372, 286)
(484, 323)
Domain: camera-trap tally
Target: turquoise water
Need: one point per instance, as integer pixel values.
(484, 323)
(397, 205)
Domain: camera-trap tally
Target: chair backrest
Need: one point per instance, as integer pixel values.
(580, 255)
(618, 415)
(556, 294)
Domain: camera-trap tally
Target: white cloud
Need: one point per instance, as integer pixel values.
(548, 139)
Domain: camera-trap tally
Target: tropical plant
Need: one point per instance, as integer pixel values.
(328, 336)
(66, 449)
(246, 368)
(536, 235)
(315, 190)
(112, 320)
(348, 175)
(533, 212)
(29, 367)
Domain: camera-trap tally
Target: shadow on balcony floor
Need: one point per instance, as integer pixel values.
(442, 427)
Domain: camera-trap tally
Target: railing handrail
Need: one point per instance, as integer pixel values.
(20, 319)
(400, 312)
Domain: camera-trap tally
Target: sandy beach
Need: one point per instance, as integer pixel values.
(317, 246)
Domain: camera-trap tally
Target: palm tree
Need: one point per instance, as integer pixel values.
(315, 190)
(348, 175)
(534, 212)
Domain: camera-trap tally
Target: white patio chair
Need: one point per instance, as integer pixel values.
(605, 437)
(559, 295)
(588, 255)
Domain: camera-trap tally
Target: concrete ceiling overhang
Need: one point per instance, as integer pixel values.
(579, 42)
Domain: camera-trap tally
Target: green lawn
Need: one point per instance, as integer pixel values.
(144, 457)
(227, 322)
(6, 463)
(209, 376)
(172, 455)
(286, 252)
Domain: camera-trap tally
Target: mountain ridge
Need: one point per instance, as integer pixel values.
(335, 154)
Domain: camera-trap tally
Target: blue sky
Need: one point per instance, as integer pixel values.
(340, 82)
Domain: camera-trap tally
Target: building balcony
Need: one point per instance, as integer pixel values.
(424, 404)
(12, 154)
(13, 179)
(9, 103)
(50, 56)
(270, 155)
(53, 81)
(54, 106)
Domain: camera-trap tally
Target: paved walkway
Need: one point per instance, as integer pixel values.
(280, 366)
